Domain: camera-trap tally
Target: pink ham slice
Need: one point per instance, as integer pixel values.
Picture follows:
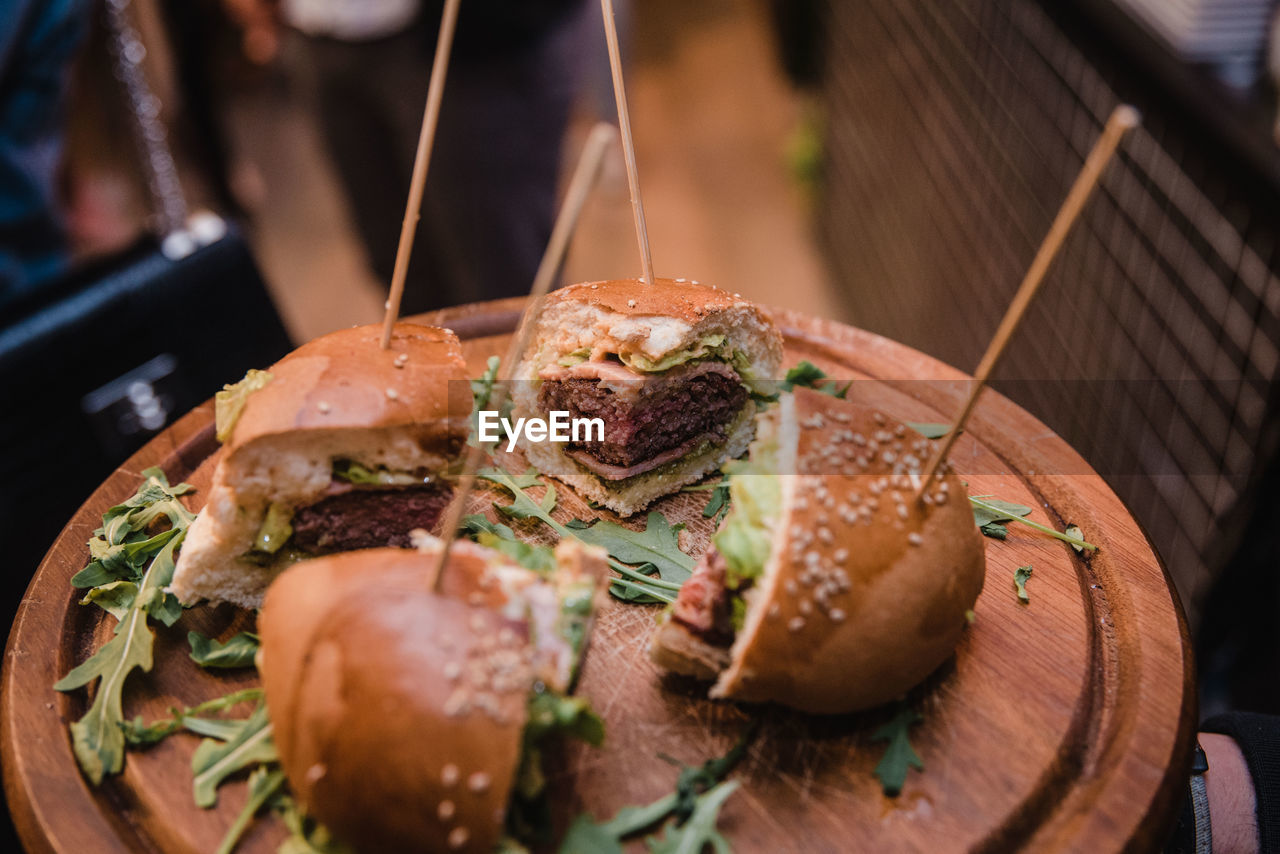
(612, 472)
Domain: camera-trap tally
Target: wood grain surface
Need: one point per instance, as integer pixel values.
(1060, 724)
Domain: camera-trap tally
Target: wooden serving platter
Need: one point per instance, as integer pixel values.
(1064, 723)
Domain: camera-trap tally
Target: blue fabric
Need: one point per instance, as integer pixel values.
(38, 40)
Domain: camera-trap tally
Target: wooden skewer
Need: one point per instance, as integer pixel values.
(584, 176)
(628, 142)
(1123, 119)
(421, 160)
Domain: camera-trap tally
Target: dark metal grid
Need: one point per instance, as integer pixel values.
(954, 132)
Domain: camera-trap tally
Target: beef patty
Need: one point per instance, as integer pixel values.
(368, 518)
(704, 605)
(659, 417)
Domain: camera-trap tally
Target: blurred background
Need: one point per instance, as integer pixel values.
(888, 163)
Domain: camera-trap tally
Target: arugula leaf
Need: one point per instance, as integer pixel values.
(236, 652)
(700, 830)
(990, 512)
(214, 761)
(97, 738)
(114, 597)
(899, 756)
(306, 835)
(586, 837)
(501, 538)
(699, 793)
(138, 733)
(929, 429)
(1021, 576)
(718, 502)
(264, 783)
(482, 388)
(809, 375)
(1075, 532)
(657, 545)
(525, 507)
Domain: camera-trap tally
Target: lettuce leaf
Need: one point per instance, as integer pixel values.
(229, 403)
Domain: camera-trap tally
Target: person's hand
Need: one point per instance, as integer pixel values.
(1232, 804)
(259, 22)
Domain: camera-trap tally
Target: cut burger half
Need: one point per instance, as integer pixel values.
(828, 588)
(669, 368)
(413, 720)
(340, 445)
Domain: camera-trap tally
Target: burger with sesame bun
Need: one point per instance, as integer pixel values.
(340, 445)
(670, 368)
(832, 588)
(413, 720)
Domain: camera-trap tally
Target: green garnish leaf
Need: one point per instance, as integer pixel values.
(1074, 532)
(114, 597)
(141, 734)
(214, 760)
(970, 616)
(928, 429)
(698, 797)
(98, 738)
(229, 403)
(236, 652)
(482, 388)
(264, 783)
(1021, 576)
(899, 756)
(524, 507)
(990, 514)
(808, 375)
(718, 502)
(658, 545)
(306, 835)
(700, 830)
(495, 535)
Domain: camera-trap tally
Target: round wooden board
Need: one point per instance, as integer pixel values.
(1064, 723)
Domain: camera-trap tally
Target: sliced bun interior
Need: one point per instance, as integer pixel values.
(864, 590)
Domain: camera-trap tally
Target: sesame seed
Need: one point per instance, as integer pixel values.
(323, 407)
(459, 835)
(392, 394)
(841, 555)
(446, 810)
(914, 538)
(315, 772)
(449, 774)
(790, 586)
(478, 782)
(594, 287)
(452, 670)
(774, 610)
(902, 511)
(795, 624)
(806, 607)
(879, 417)
(836, 614)
(631, 303)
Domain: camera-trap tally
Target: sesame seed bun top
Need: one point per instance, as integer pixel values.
(866, 589)
(398, 712)
(345, 380)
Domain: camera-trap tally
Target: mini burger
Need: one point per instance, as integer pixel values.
(411, 720)
(668, 367)
(340, 445)
(829, 588)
